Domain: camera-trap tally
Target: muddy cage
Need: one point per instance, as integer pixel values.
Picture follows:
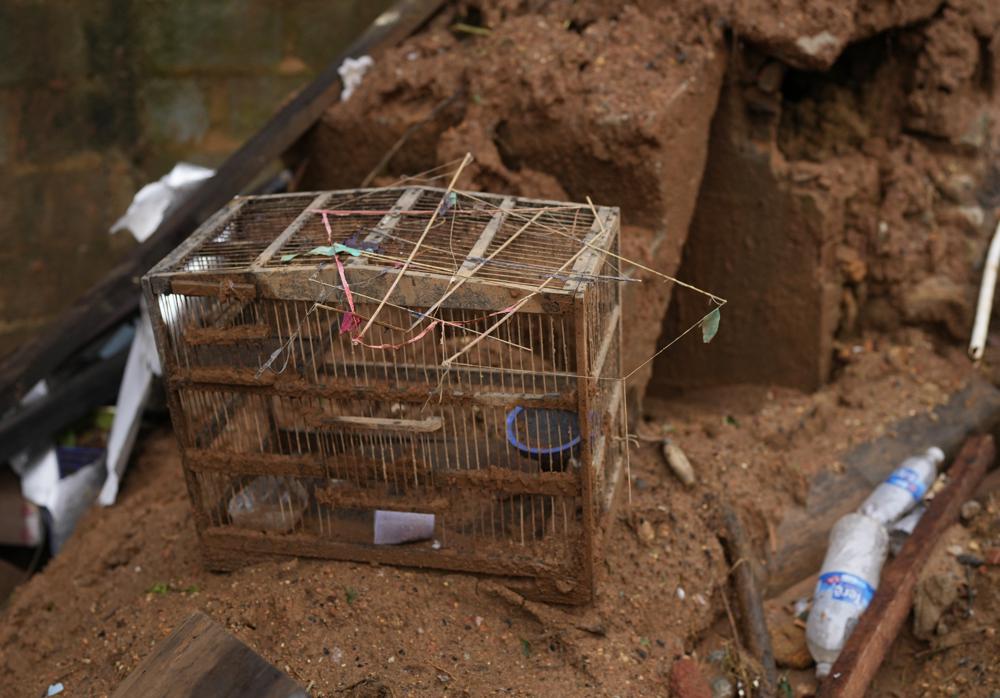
(472, 421)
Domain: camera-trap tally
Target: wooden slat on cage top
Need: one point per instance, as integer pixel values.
(499, 245)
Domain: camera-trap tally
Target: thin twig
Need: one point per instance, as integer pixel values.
(413, 253)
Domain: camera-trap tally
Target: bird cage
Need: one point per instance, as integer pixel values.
(412, 376)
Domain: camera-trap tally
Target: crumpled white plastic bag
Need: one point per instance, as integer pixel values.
(151, 203)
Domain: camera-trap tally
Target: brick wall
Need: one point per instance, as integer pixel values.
(98, 97)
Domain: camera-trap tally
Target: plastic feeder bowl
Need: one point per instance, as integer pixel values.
(555, 435)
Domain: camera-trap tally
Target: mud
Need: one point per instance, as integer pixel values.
(134, 571)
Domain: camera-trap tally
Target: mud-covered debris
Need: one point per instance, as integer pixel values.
(788, 639)
(970, 510)
(687, 681)
(645, 531)
(679, 463)
(722, 687)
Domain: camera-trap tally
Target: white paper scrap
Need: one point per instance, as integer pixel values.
(153, 201)
(394, 527)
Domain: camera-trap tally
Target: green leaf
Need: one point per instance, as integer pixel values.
(334, 249)
(525, 648)
(352, 595)
(710, 326)
(160, 588)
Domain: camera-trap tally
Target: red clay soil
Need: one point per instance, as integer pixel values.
(132, 572)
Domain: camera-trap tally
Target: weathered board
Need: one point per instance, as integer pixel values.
(878, 626)
(201, 660)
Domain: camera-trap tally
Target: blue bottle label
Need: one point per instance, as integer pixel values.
(909, 480)
(846, 587)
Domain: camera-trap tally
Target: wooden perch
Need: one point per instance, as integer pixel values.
(117, 296)
(877, 629)
(201, 659)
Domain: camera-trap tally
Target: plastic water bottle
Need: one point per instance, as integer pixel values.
(900, 531)
(904, 489)
(847, 583)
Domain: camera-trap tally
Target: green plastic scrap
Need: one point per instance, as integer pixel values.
(325, 251)
(710, 326)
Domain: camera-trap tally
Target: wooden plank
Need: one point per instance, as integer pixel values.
(880, 623)
(385, 226)
(201, 659)
(486, 237)
(755, 632)
(231, 547)
(117, 296)
(289, 385)
(66, 403)
(803, 532)
(589, 260)
(293, 228)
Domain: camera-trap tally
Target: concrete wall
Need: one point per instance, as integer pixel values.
(98, 97)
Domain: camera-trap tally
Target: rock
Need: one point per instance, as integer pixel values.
(770, 77)
(788, 640)
(686, 680)
(970, 510)
(679, 463)
(645, 531)
(722, 688)
(938, 299)
(939, 583)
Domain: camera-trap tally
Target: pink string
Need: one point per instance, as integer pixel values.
(351, 320)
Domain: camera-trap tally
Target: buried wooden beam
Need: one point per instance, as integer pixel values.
(201, 659)
(802, 535)
(878, 626)
(117, 296)
(756, 635)
(65, 403)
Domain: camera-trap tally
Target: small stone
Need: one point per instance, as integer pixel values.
(679, 463)
(770, 77)
(645, 531)
(788, 640)
(955, 550)
(722, 688)
(681, 594)
(970, 510)
(686, 680)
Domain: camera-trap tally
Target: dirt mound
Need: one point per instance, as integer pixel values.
(559, 100)
(132, 572)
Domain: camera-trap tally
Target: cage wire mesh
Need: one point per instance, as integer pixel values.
(471, 419)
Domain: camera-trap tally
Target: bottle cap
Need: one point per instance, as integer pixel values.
(935, 454)
(823, 669)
